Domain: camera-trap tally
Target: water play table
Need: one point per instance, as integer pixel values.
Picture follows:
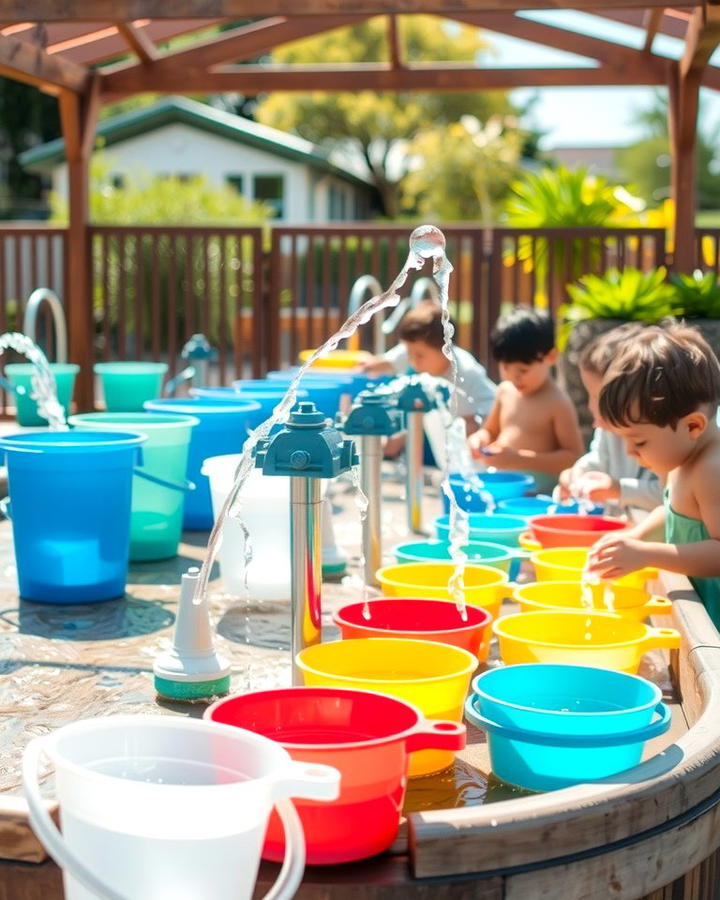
(621, 840)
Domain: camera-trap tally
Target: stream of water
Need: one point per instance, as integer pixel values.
(42, 380)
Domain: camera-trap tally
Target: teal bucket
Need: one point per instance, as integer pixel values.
(127, 385)
(485, 554)
(552, 726)
(158, 491)
(19, 375)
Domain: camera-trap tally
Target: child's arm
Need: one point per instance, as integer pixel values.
(489, 431)
(621, 552)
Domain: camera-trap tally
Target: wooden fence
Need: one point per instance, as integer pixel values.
(261, 297)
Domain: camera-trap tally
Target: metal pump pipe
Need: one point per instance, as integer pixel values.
(373, 416)
(415, 403)
(307, 450)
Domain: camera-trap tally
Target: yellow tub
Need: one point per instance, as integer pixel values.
(337, 359)
(434, 677)
(484, 587)
(629, 602)
(567, 564)
(579, 638)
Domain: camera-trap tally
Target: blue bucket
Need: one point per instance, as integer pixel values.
(267, 398)
(542, 505)
(553, 726)
(494, 555)
(70, 495)
(500, 486)
(223, 428)
(355, 381)
(326, 397)
(486, 528)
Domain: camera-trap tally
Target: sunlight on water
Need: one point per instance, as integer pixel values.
(44, 389)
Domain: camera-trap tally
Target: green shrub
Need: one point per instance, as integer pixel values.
(697, 296)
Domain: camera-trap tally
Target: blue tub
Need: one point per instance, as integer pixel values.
(223, 429)
(267, 398)
(325, 395)
(541, 505)
(70, 495)
(553, 726)
(494, 555)
(499, 485)
(486, 528)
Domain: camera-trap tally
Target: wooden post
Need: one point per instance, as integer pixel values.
(682, 122)
(78, 115)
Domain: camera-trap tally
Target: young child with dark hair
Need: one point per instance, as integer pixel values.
(606, 473)
(532, 426)
(661, 396)
(420, 350)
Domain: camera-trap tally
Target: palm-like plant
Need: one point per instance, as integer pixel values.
(628, 294)
(697, 295)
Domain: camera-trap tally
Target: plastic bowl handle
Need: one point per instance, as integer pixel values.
(436, 734)
(663, 638)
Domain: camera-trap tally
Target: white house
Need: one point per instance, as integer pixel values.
(182, 137)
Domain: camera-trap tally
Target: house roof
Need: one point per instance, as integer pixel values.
(172, 110)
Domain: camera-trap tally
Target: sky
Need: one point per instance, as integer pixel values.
(587, 116)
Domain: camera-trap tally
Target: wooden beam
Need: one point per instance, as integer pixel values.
(703, 36)
(653, 18)
(239, 43)
(394, 51)
(78, 116)
(252, 80)
(673, 23)
(560, 38)
(33, 65)
(127, 10)
(138, 42)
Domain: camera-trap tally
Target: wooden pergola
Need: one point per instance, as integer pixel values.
(89, 51)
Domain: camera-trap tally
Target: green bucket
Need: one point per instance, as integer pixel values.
(158, 490)
(127, 385)
(19, 374)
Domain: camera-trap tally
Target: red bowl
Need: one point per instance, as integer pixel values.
(366, 736)
(572, 530)
(427, 620)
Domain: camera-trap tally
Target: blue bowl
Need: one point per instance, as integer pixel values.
(486, 528)
(552, 726)
(528, 507)
(499, 485)
(495, 555)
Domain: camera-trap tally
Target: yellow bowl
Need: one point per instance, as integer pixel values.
(629, 602)
(337, 359)
(434, 677)
(485, 587)
(579, 638)
(568, 563)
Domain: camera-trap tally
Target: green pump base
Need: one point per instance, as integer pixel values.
(192, 690)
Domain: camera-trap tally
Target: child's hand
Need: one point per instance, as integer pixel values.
(565, 480)
(598, 486)
(375, 366)
(615, 555)
(477, 441)
(502, 457)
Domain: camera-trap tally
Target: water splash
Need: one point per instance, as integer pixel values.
(44, 389)
(362, 503)
(423, 246)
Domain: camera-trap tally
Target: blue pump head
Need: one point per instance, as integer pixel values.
(198, 348)
(307, 447)
(414, 398)
(374, 413)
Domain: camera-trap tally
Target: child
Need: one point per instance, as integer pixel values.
(532, 425)
(661, 396)
(420, 350)
(606, 473)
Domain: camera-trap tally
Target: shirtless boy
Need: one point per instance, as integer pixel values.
(532, 425)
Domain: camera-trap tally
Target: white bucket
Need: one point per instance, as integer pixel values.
(265, 511)
(166, 808)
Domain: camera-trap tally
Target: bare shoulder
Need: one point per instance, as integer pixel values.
(561, 402)
(705, 473)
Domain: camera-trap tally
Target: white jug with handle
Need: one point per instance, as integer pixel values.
(169, 808)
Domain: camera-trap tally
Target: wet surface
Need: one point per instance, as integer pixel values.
(61, 663)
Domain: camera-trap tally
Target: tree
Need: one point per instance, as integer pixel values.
(375, 128)
(463, 169)
(27, 117)
(646, 163)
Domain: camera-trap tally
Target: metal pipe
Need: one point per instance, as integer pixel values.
(423, 289)
(414, 455)
(306, 552)
(363, 285)
(370, 474)
(30, 320)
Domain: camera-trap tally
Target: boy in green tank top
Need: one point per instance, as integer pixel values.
(661, 396)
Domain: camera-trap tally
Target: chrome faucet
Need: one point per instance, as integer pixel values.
(199, 353)
(423, 289)
(364, 285)
(30, 320)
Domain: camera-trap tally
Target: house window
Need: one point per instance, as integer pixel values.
(235, 182)
(270, 189)
(337, 204)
